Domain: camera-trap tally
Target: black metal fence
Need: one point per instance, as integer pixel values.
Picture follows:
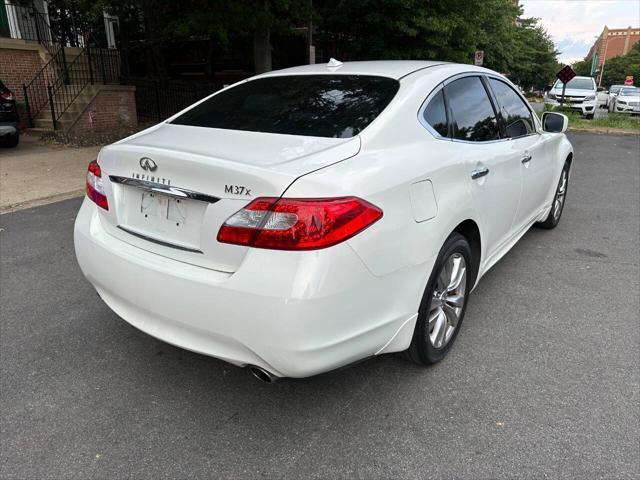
(157, 100)
(93, 65)
(26, 22)
(59, 83)
(35, 92)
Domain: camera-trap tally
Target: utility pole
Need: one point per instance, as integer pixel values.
(604, 58)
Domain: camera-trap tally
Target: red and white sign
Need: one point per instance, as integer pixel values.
(478, 57)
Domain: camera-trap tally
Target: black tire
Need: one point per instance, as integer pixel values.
(589, 116)
(421, 350)
(12, 141)
(552, 220)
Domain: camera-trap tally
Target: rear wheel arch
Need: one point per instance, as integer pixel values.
(470, 230)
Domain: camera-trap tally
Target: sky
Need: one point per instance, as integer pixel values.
(573, 24)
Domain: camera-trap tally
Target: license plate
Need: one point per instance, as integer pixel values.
(636, 109)
(157, 205)
(165, 218)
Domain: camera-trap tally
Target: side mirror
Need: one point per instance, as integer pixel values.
(553, 122)
(600, 89)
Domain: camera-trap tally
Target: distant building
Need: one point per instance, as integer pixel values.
(612, 43)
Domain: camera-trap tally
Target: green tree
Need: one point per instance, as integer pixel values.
(582, 68)
(415, 29)
(449, 30)
(534, 62)
(256, 20)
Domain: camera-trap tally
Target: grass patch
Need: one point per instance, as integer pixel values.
(618, 121)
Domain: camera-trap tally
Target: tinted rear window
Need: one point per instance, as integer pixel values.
(339, 106)
(473, 116)
(436, 114)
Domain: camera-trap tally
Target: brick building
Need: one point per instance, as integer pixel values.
(60, 81)
(612, 43)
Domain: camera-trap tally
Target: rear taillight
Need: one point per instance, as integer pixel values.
(298, 223)
(95, 188)
(7, 96)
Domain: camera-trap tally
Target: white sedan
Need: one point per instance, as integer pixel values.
(308, 218)
(626, 101)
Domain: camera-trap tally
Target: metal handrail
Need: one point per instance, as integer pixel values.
(92, 64)
(35, 92)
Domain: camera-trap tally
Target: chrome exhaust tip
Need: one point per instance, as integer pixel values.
(262, 375)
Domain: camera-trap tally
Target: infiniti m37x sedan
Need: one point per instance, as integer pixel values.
(308, 218)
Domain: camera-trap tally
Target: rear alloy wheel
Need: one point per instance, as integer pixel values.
(557, 207)
(443, 304)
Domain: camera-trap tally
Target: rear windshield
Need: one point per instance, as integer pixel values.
(338, 106)
(578, 84)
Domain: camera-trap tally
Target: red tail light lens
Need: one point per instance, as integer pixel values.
(95, 188)
(8, 96)
(297, 223)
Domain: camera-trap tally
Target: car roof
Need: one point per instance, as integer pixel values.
(386, 68)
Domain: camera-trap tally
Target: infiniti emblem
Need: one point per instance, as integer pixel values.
(147, 164)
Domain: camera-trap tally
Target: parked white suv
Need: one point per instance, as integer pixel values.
(581, 94)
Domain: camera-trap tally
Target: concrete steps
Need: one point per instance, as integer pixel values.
(75, 109)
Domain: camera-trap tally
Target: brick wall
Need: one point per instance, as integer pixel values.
(18, 67)
(614, 43)
(113, 108)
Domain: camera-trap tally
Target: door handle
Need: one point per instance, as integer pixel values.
(479, 173)
(526, 158)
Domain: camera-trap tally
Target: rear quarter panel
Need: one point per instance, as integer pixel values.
(397, 151)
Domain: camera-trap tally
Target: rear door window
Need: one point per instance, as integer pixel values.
(472, 115)
(515, 113)
(339, 106)
(435, 114)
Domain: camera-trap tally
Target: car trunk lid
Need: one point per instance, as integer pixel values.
(170, 189)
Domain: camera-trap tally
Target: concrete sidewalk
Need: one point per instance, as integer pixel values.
(35, 173)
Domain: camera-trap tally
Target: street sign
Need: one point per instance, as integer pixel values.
(478, 57)
(566, 74)
(628, 80)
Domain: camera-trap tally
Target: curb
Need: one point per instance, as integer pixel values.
(604, 131)
(58, 197)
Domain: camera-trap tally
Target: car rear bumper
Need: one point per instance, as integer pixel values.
(294, 314)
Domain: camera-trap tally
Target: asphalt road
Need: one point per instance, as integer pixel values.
(543, 381)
